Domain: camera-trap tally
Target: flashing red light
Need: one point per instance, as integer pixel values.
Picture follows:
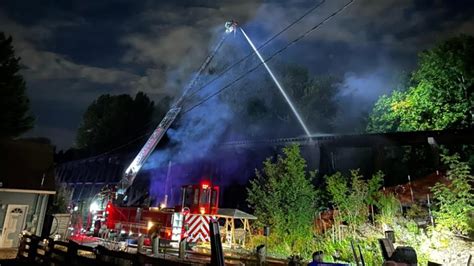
(185, 211)
(205, 186)
(202, 210)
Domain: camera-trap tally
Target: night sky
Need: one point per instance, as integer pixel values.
(74, 51)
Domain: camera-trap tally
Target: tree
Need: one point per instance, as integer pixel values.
(15, 118)
(259, 105)
(111, 121)
(60, 199)
(283, 197)
(441, 95)
(352, 199)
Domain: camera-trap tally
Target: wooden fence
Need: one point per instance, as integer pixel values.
(34, 250)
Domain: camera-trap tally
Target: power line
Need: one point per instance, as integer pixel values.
(260, 47)
(203, 66)
(309, 11)
(114, 149)
(188, 87)
(272, 56)
(145, 134)
(238, 62)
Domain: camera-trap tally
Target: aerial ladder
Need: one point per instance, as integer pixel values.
(186, 220)
(145, 152)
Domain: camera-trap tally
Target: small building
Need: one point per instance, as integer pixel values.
(26, 184)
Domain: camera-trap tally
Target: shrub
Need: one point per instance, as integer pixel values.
(353, 202)
(388, 207)
(455, 201)
(283, 197)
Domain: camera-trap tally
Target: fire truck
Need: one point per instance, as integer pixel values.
(199, 202)
(189, 220)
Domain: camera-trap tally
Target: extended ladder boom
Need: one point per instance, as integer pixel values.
(162, 127)
(148, 148)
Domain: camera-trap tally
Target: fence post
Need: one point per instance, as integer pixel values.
(21, 247)
(217, 256)
(33, 248)
(182, 248)
(49, 251)
(155, 245)
(140, 243)
(72, 248)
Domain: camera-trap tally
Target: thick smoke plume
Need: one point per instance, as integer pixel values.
(356, 46)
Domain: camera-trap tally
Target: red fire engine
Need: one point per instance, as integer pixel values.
(190, 219)
(198, 204)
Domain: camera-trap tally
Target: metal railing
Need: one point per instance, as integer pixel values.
(34, 250)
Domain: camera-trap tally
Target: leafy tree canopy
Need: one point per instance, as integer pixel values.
(111, 121)
(258, 102)
(283, 197)
(15, 118)
(441, 95)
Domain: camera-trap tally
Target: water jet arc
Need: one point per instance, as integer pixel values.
(277, 83)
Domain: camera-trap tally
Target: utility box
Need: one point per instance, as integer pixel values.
(60, 225)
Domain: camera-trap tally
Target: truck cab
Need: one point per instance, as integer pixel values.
(200, 199)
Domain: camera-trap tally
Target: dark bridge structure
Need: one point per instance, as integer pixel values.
(234, 162)
(461, 136)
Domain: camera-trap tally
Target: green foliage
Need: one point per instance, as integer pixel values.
(449, 67)
(416, 212)
(317, 101)
(412, 227)
(351, 196)
(455, 202)
(352, 201)
(341, 250)
(373, 187)
(114, 120)
(407, 233)
(338, 188)
(283, 197)
(383, 118)
(441, 95)
(370, 248)
(388, 207)
(15, 118)
(260, 102)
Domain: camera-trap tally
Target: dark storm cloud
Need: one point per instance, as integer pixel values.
(176, 37)
(400, 26)
(371, 44)
(70, 48)
(75, 50)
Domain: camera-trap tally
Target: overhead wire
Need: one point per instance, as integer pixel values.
(240, 61)
(309, 11)
(145, 132)
(270, 57)
(146, 125)
(116, 148)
